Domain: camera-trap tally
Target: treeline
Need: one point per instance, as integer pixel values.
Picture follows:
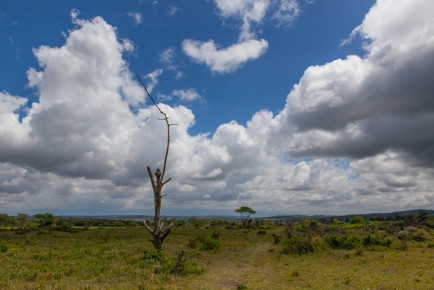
(24, 222)
(49, 221)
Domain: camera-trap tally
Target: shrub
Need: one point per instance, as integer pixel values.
(45, 220)
(206, 244)
(370, 240)
(3, 249)
(261, 232)
(342, 241)
(197, 222)
(192, 244)
(215, 235)
(181, 266)
(64, 227)
(209, 244)
(276, 239)
(178, 265)
(219, 223)
(357, 220)
(295, 273)
(298, 245)
(412, 234)
(153, 255)
(359, 252)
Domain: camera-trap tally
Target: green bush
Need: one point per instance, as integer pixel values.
(276, 239)
(181, 266)
(153, 255)
(412, 234)
(206, 243)
(209, 244)
(357, 220)
(241, 286)
(178, 265)
(376, 241)
(215, 235)
(298, 245)
(192, 244)
(342, 241)
(3, 249)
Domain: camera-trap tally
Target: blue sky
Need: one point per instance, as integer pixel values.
(287, 106)
(312, 38)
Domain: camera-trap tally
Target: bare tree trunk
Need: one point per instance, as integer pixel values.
(159, 233)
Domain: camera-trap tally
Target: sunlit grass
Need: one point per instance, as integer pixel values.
(113, 258)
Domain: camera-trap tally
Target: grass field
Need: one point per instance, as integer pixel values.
(114, 258)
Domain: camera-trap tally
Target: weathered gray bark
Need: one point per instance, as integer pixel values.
(159, 233)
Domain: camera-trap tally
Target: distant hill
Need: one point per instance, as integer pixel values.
(349, 216)
(107, 217)
(277, 217)
(142, 217)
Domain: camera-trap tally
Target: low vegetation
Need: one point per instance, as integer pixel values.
(52, 252)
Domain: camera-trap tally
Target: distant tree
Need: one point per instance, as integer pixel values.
(44, 219)
(181, 223)
(159, 233)
(257, 223)
(421, 216)
(22, 217)
(5, 219)
(410, 220)
(197, 222)
(219, 223)
(245, 213)
(357, 220)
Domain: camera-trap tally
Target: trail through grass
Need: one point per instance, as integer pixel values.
(113, 258)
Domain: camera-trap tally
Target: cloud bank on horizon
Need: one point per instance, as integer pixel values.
(355, 134)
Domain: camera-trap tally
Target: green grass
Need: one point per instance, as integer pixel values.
(114, 258)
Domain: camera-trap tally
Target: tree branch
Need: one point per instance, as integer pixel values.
(167, 181)
(151, 176)
(167, 123)
(147, 227)
(167, 229)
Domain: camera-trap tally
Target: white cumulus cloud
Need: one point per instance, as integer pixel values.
(363, 106)
(136, 16)
(188, 95)
(354, 136)
(224, 60)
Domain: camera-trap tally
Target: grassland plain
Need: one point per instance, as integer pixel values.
(113, 258)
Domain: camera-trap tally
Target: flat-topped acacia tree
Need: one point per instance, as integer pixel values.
(159, 233)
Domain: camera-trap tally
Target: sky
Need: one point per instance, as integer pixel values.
(285, 106)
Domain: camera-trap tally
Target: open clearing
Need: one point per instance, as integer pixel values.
(114, 258)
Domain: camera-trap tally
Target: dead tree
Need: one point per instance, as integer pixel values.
(159, 233)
